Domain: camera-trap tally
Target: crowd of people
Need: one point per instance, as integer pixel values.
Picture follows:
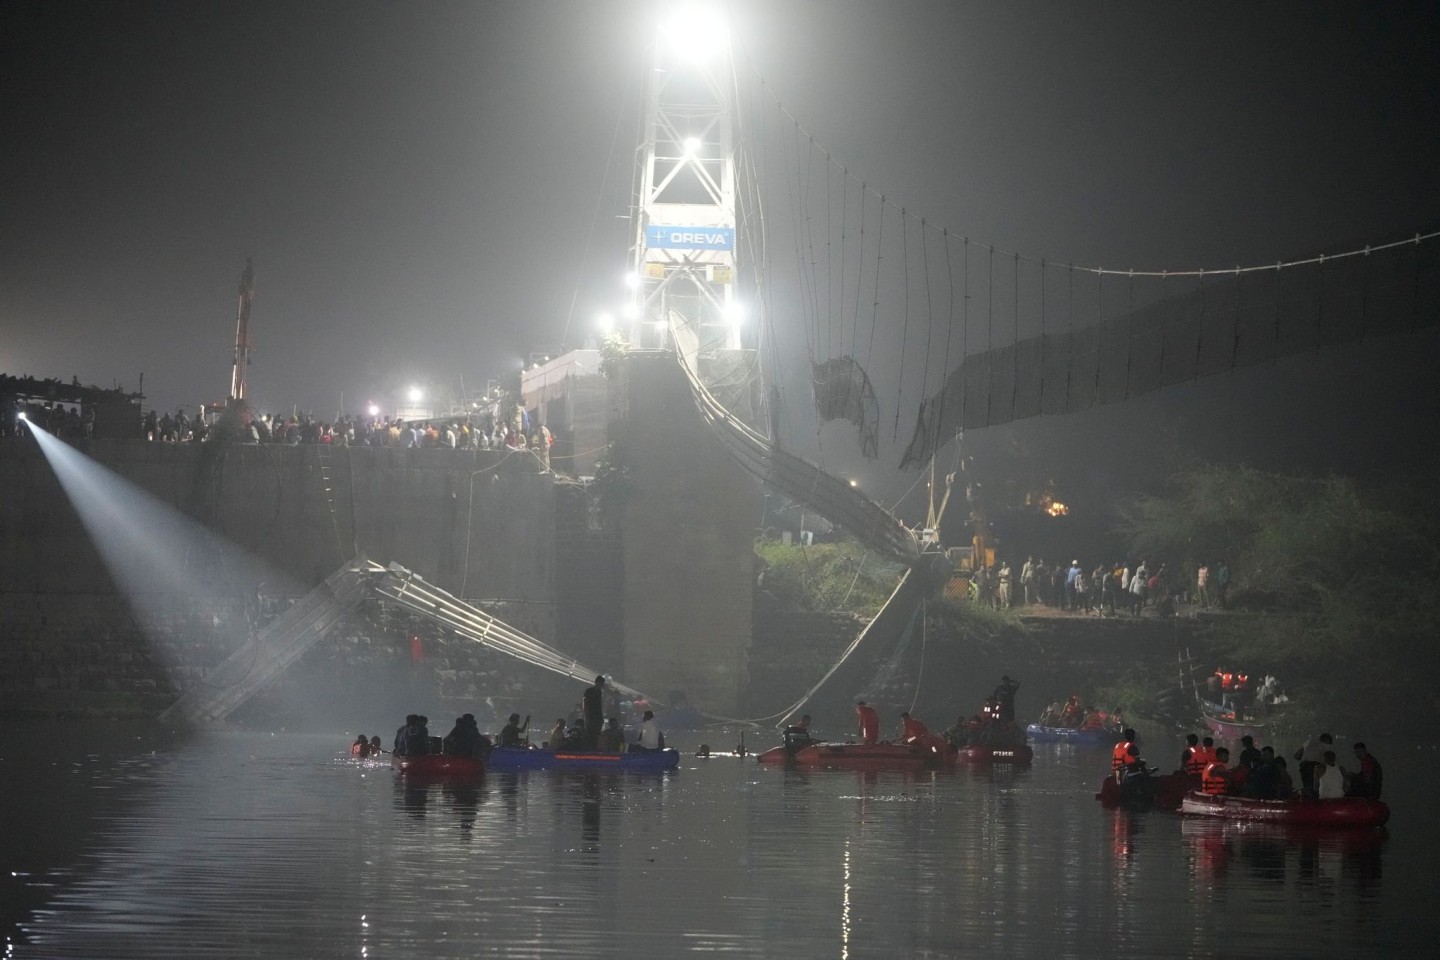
(1104, 590)
(1074, 715)
(591, 731)
(1259, 772)
(994, 726)
(494, 427)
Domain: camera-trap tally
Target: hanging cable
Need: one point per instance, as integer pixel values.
(905, 334)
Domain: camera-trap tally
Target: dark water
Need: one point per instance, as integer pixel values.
(124, 844)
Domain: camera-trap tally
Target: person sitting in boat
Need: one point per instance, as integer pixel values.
(413, 739)
(1284, 783)
(611, 740)
(1264, 780)
(1207, 753)
(465, 739)
(1329, 781)
(959, 735)
(556, 740)
(869, 722)
(513, 733)
(651, 736)
(1310, 757)
(911, 729)
(1050, 716)
(1125, 757)
(361, 747)
(1215, 781)
(797, 736)
(1366, 779)
(1245, 764)
(1072, 713)
(1191, 763)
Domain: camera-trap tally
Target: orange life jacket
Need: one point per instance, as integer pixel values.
(1227, 680)
(1215, 782)
(1120, 758)
(1195, 761)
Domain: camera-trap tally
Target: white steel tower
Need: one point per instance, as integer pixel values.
(683, 258)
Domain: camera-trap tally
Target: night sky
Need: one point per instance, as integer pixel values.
(432, 190)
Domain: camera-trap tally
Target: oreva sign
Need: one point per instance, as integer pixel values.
(659, 237)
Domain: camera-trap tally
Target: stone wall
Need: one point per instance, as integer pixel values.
(687, 516)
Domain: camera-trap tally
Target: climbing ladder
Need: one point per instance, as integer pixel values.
(327, 483)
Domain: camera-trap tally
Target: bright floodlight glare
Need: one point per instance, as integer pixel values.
(692, 146)
(631, 311)
(415, 394)
(632, 280)
(854, 483)
(374, 410)
(695, 33)
(23, 415)
(605, 321)
(152, 551)
(735, 314)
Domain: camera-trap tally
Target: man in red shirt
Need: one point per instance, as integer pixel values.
(869, 722)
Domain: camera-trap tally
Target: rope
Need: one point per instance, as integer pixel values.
(1101, 271)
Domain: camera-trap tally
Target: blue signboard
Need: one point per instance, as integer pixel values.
(659, 237)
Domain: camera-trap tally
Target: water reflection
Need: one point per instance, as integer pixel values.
(1277, 853)
(237, 844)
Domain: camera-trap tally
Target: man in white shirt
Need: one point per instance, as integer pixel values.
(651, 736)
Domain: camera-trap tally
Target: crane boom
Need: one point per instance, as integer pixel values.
(242, 335)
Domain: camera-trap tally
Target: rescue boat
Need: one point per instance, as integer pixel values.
(1092, 736)
(1141, 791)
(525, 758)
(437, 765)
(977, 753)
(1223, 722)
(1337, 812)
(857, 756)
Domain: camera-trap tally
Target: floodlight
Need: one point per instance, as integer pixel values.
(23, 416)
(632, 280)
(692, 146)
(374, 410)
(735, 314)
(605, 322)
(415, 394)
(694, 33)
(631, 311)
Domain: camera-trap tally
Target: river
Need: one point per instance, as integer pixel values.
(124, 841)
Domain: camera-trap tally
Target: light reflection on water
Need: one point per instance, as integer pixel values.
(246, 845)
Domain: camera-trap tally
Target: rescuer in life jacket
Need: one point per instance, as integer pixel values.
(1215, 781)
(1192, 764)
(1125, 758)
(911, 729)
(869, 722)
(797, 736)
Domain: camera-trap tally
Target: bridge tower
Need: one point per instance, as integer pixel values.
(683, 256)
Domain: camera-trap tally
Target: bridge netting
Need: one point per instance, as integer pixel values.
(913, 331)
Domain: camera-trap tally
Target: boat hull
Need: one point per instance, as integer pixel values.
(520, 758)
(437, 765)
(1224, 725)
(1165, 791)
(1093, 737)
(1336, 813)
(855, 756)
(1014, 755)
